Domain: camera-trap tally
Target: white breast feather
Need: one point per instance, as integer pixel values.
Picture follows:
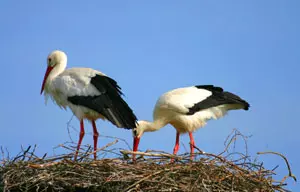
(72, 82)
(76, 81)
(189, 123)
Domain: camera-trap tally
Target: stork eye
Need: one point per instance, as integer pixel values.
(49, 59)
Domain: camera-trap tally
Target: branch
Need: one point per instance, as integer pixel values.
(286, 161)
(150, 154)
(145, 178)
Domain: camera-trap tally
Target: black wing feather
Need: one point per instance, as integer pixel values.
(218, 97)
(109, 103)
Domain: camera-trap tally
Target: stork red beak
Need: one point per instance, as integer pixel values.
(136, 142)
(49, 69)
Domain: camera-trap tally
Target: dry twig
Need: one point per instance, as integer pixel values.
(286, 161)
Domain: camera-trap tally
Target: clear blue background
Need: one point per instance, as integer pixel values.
(250, 48)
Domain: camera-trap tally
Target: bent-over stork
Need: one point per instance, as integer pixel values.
(88, 93)
(187, 109)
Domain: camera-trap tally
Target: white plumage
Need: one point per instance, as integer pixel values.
(90, 95)
(72, 82)
(176, 103)
(187, 109)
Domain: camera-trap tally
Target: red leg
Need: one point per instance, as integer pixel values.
(81, 134)
(95, 136)
(192, 143)
(176, 148)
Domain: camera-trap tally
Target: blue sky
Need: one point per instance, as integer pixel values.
(250, 48)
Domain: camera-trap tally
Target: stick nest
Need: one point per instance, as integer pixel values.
(153, 171)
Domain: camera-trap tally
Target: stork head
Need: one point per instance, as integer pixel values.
(141, 127)
(56, 57)
(56, 63)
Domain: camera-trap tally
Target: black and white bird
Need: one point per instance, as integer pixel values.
(90, 95)
(188, 109)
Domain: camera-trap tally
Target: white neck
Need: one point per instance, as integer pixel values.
(58, 69)
(148, 126)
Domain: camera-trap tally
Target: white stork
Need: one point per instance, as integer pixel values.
(187, 109)
(88, 93)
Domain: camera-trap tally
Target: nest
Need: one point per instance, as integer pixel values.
(153, 171)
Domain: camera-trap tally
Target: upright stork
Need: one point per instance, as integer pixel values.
(90, 95)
